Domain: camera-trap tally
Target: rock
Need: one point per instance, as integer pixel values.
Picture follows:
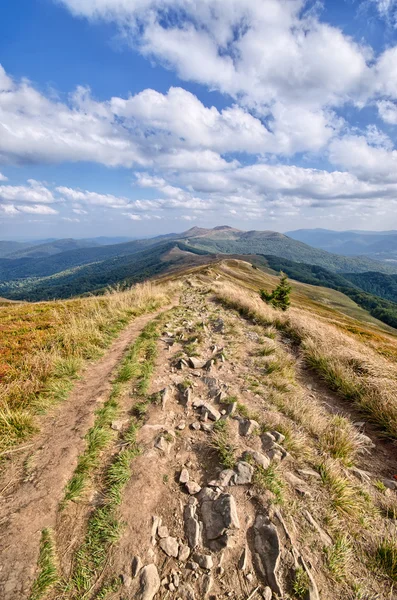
(267, 593)
(267, 548)
(312, 593)
(243, 473)
(204, 561)
(181, 364)
(184, 552)
(309, 473)
(164, 395)
(248, 427)
(196, 426)
(192, 566)
(171, 587)
(164, 444)
(207, 585)
(136, 565)
(184, 476)
(231, 409)
(224, 478)
(162, 531)
(219, 515)
(243, 560)
(212, 412)
(156, 522)
(218, 326)
(267, 440)
(192, 487)
(119, 425)
(149, 583)
(298, 484)
(195, 363)
(127, 580)
(260, 459)
(275, 455)
(213, 386)
(181, 426)
(250, 577)
(193, 528)
(207, 427)
(187, 593)
(175, 579)
(170, 546)
(198, 403)
(391, 484)
(325, 538)
(279, 437)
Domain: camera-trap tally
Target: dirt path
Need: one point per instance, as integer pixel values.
(28, 504)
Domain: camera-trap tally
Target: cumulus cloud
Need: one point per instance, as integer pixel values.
(37, 209)
(33, 192)
(3, 177)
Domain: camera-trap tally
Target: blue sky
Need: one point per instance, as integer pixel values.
(134, 117)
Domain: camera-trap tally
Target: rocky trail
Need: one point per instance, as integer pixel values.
(232, 492)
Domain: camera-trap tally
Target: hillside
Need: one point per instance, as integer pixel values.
(212, 447)
(51, 248)
(215, 241)
(378, 244)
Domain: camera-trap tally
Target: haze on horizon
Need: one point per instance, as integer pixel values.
(136, 118)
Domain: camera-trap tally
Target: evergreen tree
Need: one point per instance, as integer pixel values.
(279, 297)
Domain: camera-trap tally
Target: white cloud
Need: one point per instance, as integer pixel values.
(92, 198)
(3, 177)
(70, 220)
(37, 209)
(33, 192)
(367, 161)
(133, 216)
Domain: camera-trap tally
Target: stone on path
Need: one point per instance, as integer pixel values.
(243, 473)
(184, 476)
(149, 583)
(192, 487)
(261, 459)
(136, 565)
(195, 363)
(268, 552)
(248, 427)
(170, 546)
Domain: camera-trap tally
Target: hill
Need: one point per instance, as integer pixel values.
(377, 244)
(258, 445)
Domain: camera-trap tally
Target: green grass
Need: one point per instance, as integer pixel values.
(221, 443)
(346, 499)
(339, 557)
(301, 583)
(268, 479)
(386, 558)
(47, 575)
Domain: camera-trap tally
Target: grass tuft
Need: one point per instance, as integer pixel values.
(47, 575)
(386, 558)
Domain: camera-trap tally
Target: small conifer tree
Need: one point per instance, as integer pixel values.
(279, 297)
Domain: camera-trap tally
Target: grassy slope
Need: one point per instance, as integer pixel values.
(45, 345)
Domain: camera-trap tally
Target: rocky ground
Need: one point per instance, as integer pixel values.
(230, 495)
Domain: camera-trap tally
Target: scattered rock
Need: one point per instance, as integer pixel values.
(298, 484)
(181, 364)
(219, 516)
(243, 473)
(309, 473)
(192, 487)
(149, 583)
(170, 546)
(192, 566)
(211, 411)
(325, 538)
(207, 585)
(196, 425)
(127, 580)
(248, 427)
(267, 548)
(184, 476)
(162, 531)
(187, 593)
(391, 484)
(181, 426)
(224, 478)
(267, 440)
(165, 443)
(119, 425)
(184, 552)
(279, 437)
(195, 363)
(267, 593)
(258, 457)
(204, 561)
(218, 326)
(164, 395)
(136, 565)
(156, 523)
(207, 427)
(243, 560)
(231, 409)
(193, 528)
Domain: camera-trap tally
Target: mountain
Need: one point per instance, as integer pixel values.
(227, 240)
(377, 244)
(51, 248)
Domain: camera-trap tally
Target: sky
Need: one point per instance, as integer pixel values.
(138, 117)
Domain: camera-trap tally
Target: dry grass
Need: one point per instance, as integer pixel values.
(45, 345)
(349, 365)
